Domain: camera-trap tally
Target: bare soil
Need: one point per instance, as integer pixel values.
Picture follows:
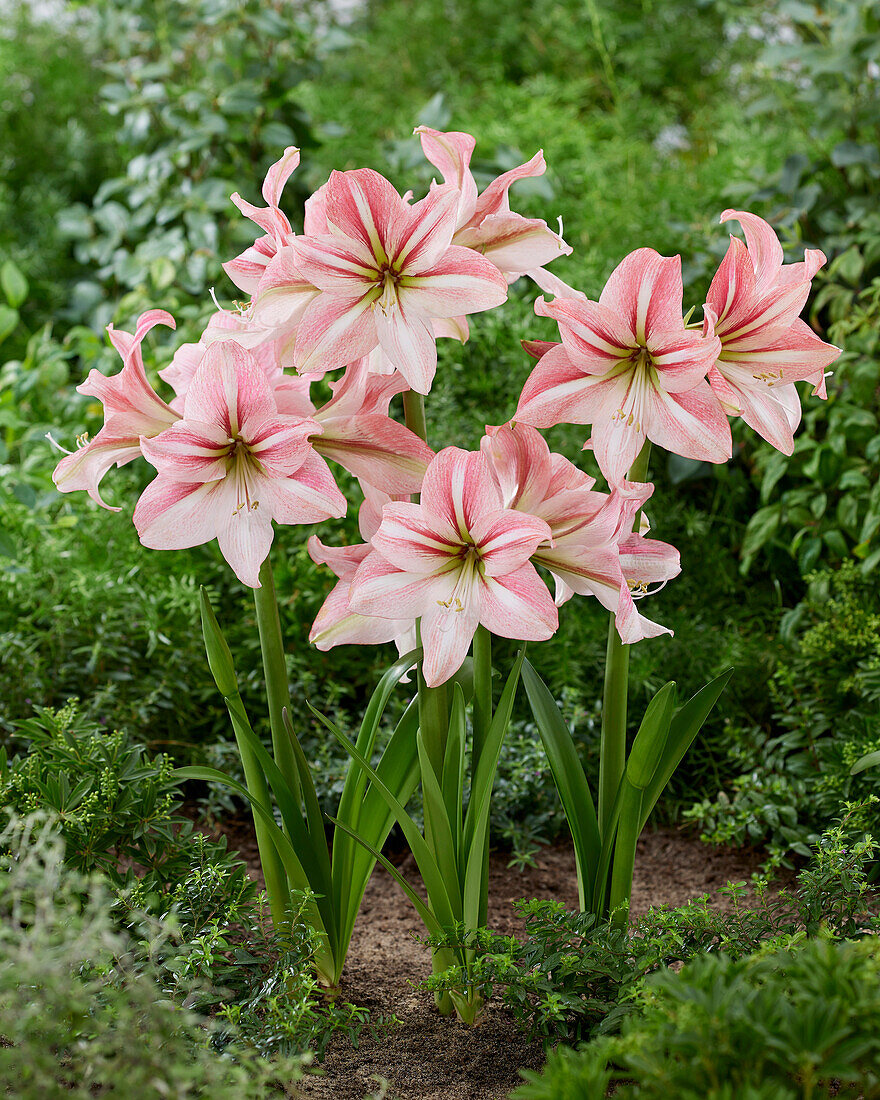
(426, 1056)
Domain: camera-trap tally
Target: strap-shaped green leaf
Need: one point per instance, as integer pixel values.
(647, 748)
(431, 923)
(399, 770)
(424, 858)
(869, 760)
(440, 838)
(452, 783)
(571, 783)
(687, 721)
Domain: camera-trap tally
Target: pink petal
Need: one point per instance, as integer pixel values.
(343, 560)
(451, 154)
(378, 449)
(283, 292)
(270, 219)
(591, 332)
(245, 539)
(412, 540)
(308, 496)
(330, 264)
(459, 488)
(513, 243)
(336, 624)
(763, 245)
(363, 206)
(189, 452)
(280, 443)
(461, 282)
(682, 358)
(446, 637)
(645, 291)
(648, 561)
(173, 515)
(381, 589)
(85, 467)
(420, 242)
(228, 389)
(334, 331)
(558, 392)
(495, 198)
(278, 175)
(691, 424)
(248, 267)
(507, 539)
(408, 342)
(518, 605)
(733, 284)
(315, 216)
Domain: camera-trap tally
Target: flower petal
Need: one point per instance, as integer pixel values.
(645, 291)
(518, 605)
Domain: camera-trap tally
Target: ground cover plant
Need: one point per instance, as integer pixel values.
(132, 225)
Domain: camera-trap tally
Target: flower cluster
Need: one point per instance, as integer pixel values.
(364, 293)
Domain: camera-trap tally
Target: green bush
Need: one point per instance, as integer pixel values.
(573, 976)
(83, 1011)
(802, 1022)
(794, 775)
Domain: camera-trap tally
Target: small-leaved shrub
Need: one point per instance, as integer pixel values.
(574, 976)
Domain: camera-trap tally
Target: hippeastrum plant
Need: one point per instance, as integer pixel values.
(457, 545)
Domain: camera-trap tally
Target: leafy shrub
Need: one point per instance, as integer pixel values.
(115, 811)
(802, 1022)
(826, 689)
(574, 976)
(48, 61)
(82, 1008)
(204, 96)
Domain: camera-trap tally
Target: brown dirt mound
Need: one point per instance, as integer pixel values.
(429, 1057)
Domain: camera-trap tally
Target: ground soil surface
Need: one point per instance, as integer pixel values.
(429, 1057)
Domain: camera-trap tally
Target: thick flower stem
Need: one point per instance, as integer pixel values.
(482, 719)
(275, 671)
(613, 747)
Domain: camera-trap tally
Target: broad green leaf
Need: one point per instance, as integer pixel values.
(568, 775)
(8, 321)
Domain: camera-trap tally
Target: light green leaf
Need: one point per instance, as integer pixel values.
(14, 284)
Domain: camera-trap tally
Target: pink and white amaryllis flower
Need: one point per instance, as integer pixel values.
(336, 624)
(455, 560)
(354, 428)
(386, 271)
(754, 305)
(231, 465)
(593, 550)
(132, 411)
(628, 366)
(485, 222)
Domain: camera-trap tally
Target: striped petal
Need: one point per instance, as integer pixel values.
(518, 605)
(645, 292)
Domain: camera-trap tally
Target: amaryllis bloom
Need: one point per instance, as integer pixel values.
(455, 560)
(353, 427)
(516, 245)
(628, 366)
(336, 624)
(132, 411)
(386, 270)
(753, 305)
(247, 269)
(593, 549)
(231, 465)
